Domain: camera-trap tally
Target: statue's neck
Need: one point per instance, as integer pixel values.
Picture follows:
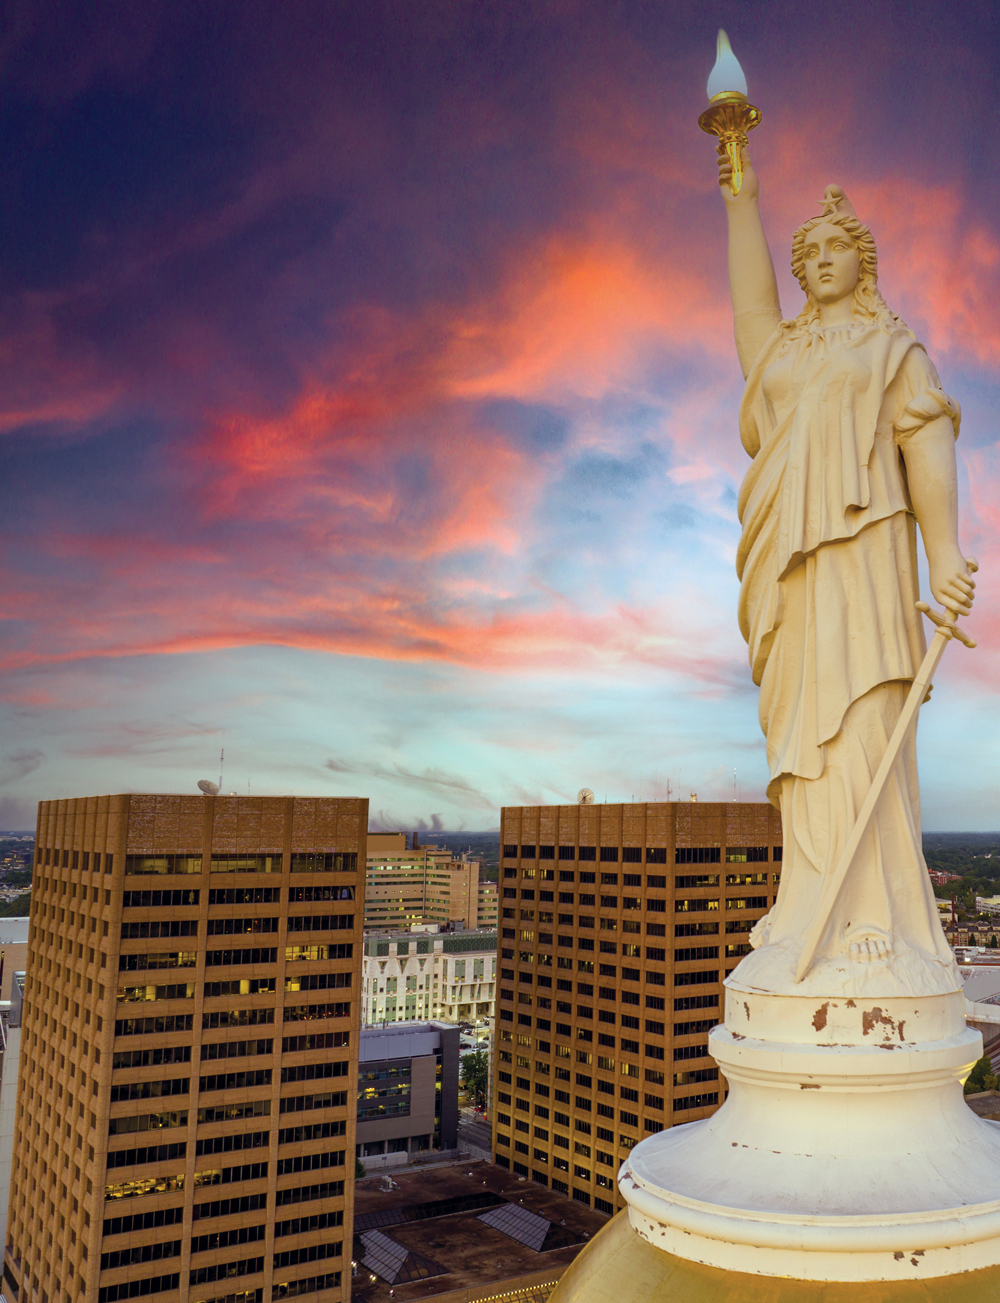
(840, 313)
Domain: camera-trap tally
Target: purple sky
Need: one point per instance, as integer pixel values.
(368, 397)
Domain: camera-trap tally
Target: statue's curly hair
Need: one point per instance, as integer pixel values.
(869, 305)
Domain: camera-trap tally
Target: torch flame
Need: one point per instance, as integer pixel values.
(727, 75)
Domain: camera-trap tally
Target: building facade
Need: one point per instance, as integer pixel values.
(407, 1092)
(410, 885)
(620, 923)
(449, 977)
(188, 1080)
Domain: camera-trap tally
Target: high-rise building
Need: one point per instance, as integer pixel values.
(449, 977)
(415, 884)
(186, 1108)
(619, 924)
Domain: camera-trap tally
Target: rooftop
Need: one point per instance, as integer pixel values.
(467, 1252)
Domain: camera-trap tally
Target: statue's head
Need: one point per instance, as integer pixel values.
(834, 255)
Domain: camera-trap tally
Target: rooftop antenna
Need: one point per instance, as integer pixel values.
(222, 759)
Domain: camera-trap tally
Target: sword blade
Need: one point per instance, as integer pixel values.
(914, 699)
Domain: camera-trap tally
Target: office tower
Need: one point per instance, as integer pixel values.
(187, 1100)
(619, 924)
(450, 977)
(424, 884)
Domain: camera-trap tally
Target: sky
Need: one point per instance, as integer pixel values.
(368, 397)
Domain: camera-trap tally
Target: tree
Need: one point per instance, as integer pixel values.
(980, 1078)
(473, 1073)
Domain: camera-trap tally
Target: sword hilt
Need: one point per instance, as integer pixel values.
(948, 623)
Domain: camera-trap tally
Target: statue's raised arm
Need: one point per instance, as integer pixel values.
(752, 284)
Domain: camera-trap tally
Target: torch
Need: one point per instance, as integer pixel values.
(729, 115)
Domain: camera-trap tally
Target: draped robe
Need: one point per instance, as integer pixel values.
(828, 570)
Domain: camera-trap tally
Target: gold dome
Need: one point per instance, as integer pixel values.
(618, 1266)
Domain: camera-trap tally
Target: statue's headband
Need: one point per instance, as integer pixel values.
(836, 203)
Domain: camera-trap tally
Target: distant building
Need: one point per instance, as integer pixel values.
(407, 1092)
(988, 904)
(939, 877)
(449, 976)
(424, 884)
(620, 924)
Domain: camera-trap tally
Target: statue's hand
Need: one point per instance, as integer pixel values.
(749, 190)
(951, 581)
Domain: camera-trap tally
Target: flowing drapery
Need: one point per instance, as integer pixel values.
(828, 570)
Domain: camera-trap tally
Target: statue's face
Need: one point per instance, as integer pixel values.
(831, 263)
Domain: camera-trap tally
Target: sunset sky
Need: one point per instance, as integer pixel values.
(368, 396)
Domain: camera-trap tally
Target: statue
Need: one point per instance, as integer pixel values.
(852, 440)
(829, 1162)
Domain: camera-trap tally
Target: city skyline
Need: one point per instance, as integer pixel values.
(369, 400)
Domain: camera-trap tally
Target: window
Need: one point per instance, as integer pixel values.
(696, 952)
(696, 1101)
(692, 1076)
(322, 862)
(696, 906)
(746, 854)
(696, 1002)
(142, 864)
(694, 1028)
(232, 863)
(690, 1052)
(701, 929)
(697, 855)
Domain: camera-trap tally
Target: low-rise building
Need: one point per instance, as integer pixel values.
(988, 904)
(449, 976)
(13, 951)
(10, 1054)
(407, 1092)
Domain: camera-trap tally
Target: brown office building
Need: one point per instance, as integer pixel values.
(618, 925)
(186, 1106)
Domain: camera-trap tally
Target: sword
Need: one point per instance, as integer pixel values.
(947, 628)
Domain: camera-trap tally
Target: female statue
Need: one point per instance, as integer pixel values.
(852, 440)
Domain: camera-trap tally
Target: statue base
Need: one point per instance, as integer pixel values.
(844, 1151)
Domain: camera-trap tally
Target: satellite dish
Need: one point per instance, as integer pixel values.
(209, 788)
(585, 796)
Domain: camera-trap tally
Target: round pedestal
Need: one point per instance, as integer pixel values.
(829, 1161)
(618, 1266)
